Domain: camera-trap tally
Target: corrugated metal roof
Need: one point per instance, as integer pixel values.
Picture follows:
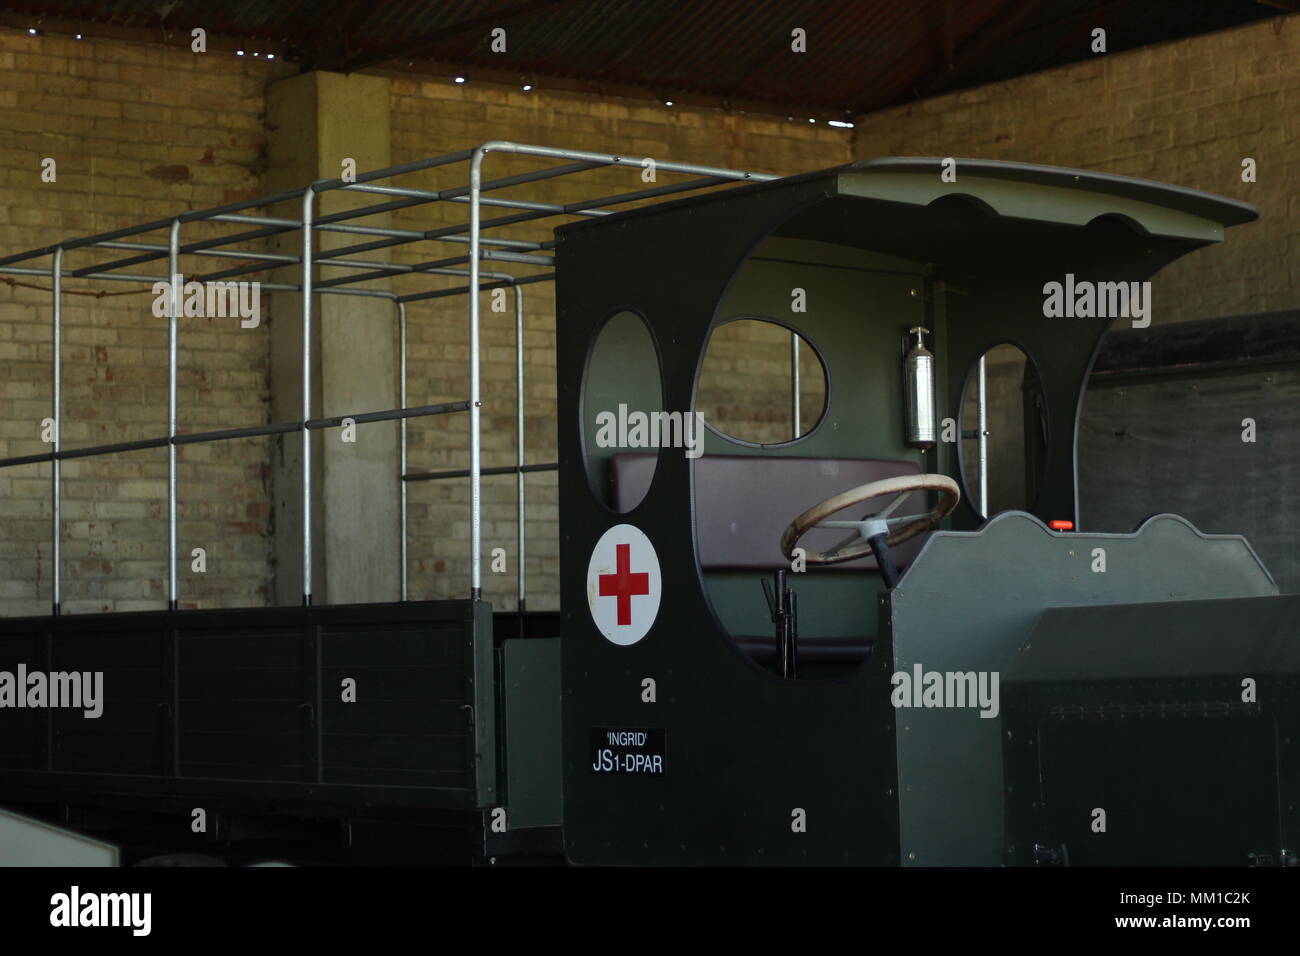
(862, 54)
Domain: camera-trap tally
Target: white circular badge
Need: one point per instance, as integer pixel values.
(623, 584)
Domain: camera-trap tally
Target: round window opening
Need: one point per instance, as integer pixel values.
(760, 383)
(622, 405)
(1003, 446)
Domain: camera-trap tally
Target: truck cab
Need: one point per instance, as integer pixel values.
(843, 632)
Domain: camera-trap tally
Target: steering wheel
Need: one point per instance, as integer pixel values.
(872, 532)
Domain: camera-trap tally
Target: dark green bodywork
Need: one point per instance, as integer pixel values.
(878, 247)
(530, 684)
(969, 604)
(1179, 720)
(241, 709)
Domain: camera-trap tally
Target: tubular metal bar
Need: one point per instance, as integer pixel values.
(114, 448)
(461, 290)
(148, 227)
(465, 472)
(24, 271)
(149, 279)
(308, 202)
(56, 274)
(518, 179)
(289, 224)
(26, 460)
(420, 411)
(475, 404)
(271, 286)
(794, 382)
(519, 452)
(608, 159)
(192, 247)
(173, 314)
(532, 259)
(401, 400)
(546, 207)
(390, 171)
(223, 253)
(383, 231)
(434, 267)
(983, 426)
(381, 270)
(386, 271)
(346, 263)
(404, 235)
(249, 431)
(459, 194)
(430, 195)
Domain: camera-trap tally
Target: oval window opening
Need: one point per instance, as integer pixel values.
(760, 383)
(1003, 432)
(621, 392)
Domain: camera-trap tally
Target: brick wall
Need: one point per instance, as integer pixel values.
(1185, 112)
(138, 132)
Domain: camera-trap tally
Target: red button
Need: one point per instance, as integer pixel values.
(1059, 525)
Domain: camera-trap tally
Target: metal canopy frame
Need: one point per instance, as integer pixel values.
(466, 266)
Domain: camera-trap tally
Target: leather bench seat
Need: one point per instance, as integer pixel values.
(743, 503)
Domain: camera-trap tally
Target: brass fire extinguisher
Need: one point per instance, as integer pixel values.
(918, 388)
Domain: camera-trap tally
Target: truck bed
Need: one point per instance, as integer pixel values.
(248, 707)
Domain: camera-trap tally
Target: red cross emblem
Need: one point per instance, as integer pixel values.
(636, 593)
(623, 584)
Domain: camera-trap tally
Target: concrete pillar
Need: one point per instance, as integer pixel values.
(316, 121)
